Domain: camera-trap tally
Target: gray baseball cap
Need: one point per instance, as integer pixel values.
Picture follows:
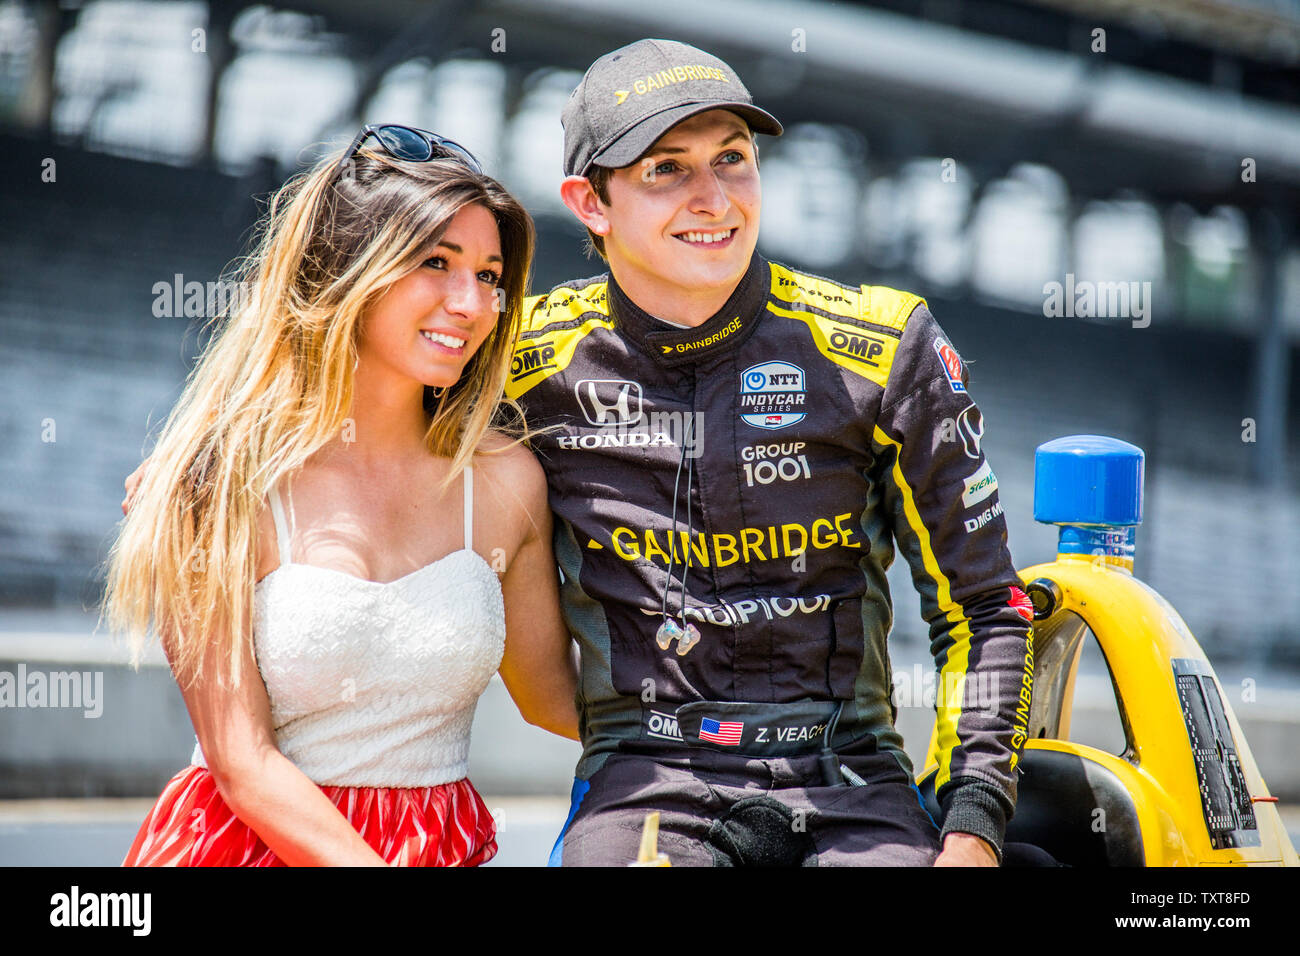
(632, 96)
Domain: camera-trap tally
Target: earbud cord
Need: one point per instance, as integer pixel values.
(672, 547)
(690, 475)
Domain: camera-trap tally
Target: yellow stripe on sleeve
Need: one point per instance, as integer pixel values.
(952, 678)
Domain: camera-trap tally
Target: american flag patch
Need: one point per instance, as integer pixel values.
(725, 732)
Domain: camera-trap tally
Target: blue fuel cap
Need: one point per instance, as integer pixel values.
(1088, 480)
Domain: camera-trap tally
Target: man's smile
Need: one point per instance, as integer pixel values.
(719, 239)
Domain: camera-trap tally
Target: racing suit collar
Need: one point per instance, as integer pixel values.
(725, 329)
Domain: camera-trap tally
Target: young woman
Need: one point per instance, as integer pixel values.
(336, 539)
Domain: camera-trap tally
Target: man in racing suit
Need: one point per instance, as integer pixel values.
(729, 484)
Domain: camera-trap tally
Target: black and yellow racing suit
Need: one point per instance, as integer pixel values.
(809, 428)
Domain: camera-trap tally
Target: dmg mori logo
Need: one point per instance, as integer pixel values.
(530, 360)
(609, 401)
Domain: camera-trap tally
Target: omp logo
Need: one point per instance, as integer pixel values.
(861, 348)
(609, 401)
(661, 725)
(772, 395)
(531, 360)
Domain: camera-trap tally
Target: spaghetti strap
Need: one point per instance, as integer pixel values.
(469, 508)
(281, 526)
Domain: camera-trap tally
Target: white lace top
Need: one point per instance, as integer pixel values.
(374, 684)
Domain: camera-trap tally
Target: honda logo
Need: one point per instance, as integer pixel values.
(971, 426)
(609, 401)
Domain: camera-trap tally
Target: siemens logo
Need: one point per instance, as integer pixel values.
(979, 486)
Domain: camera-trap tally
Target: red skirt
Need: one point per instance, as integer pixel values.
(191, 825)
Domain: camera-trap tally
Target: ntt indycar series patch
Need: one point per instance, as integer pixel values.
(823, 428)
(772, 395)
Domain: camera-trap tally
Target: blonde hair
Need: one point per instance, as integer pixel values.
(275, 384)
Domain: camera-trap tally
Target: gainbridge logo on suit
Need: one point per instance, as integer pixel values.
(720, 549)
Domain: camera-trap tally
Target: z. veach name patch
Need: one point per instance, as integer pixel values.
(772, 395)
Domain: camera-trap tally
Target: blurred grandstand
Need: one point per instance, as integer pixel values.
(973, 152)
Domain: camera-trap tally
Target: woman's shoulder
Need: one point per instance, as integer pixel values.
(512, 470)
(506, 458)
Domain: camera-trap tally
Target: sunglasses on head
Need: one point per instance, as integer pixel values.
(411, 144)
